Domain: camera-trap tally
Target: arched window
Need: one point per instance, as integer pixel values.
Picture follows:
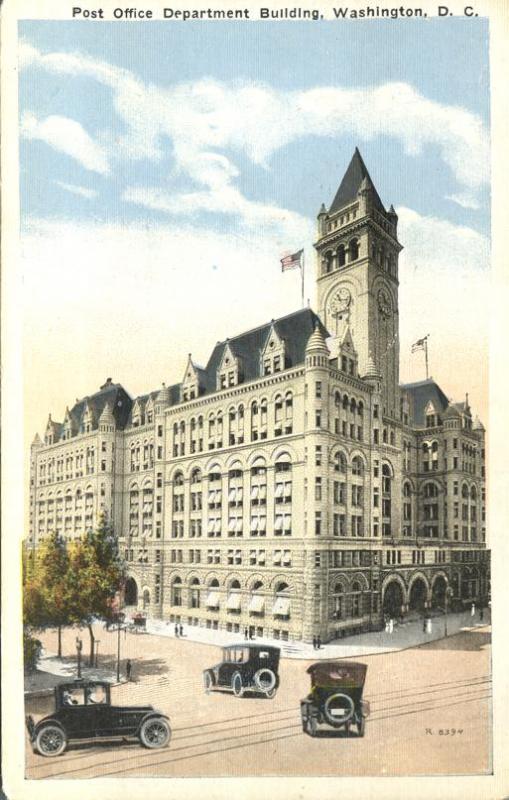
(194, 593)
(176, 592)
(340, 463)
(341, 255)
(430, 510)
(357, 466)
(338, 601)
(283, 496)
(353, 249)
(386, 500)
(328, 261)
(281, 606)
(356, 599)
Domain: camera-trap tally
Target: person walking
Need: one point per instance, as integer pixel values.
(314, 642)
(177, 631)
(128, 669)
(181, 630)
(472, 610)
(318, 642)
(481, 614)
(246, 634)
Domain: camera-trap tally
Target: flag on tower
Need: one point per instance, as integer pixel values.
(291, 261)
(420, 344)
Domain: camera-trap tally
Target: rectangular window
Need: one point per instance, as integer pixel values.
(318, 389)
(318, 455)
(318, 419)
(318, 488)
(318, 523)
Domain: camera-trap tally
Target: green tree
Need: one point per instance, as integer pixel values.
(44, 596)
(94, 576)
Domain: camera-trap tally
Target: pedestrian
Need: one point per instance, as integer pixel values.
(251, 633)
(391, 625)
(128, 669)
(176, 631)
(481, 614)
(472, 610)
(424, 622)
(246, 634)
(314, 642)
(181, 630)
(318, 642)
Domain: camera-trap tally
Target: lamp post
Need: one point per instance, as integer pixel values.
(97, 641)
(79, 647)
(448, 595)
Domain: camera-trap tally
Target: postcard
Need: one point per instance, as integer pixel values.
(254, 411)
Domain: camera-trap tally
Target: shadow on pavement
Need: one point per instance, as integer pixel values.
(476, 640)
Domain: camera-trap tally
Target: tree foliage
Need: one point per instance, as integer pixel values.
(74, 584)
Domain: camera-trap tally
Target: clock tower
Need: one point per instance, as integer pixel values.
(357, 276)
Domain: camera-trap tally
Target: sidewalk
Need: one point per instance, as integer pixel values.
(52, 670)
(409, 634)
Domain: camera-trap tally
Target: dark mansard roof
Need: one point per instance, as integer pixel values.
(419, 395)
(112, 393)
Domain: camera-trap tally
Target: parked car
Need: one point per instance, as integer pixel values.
(336, 697)
(83, 710)
(245, 668)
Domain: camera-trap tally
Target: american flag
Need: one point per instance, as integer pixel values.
(420, 344)
(291, 261)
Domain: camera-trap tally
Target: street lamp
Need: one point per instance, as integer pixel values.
(448, 595)
(79, 647)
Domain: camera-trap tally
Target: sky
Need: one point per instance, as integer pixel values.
(164, 169)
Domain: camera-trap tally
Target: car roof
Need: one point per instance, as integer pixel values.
(81, 684)
(325, 673)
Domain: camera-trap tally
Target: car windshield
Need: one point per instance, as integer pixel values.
(73, 696)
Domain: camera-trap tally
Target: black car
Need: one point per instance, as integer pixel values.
(245, 668)
(336, 697)
(83, 710)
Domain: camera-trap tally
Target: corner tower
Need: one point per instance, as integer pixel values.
(357, 275)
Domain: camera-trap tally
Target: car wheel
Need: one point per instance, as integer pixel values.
(265, 680)
(155, 732)
(51, 740)
(208, 682)
(237, 687)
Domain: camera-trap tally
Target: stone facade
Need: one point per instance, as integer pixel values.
(292, 487)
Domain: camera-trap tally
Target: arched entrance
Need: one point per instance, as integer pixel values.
(418, 594)
(131, 593)
(393, 599)
(438, 592)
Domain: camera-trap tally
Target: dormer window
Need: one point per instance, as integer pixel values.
(273, 354)
(229, 369)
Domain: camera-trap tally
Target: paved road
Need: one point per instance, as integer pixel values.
(416, 696)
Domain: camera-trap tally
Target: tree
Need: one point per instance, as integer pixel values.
(44, 596)
(94, 576)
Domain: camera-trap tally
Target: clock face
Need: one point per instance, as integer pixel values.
(340, 300)
(384, 303)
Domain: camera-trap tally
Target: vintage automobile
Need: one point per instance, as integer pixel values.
(245, 668)
(83, 710)
(336, 697)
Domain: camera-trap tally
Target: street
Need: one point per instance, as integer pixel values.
(430, 714)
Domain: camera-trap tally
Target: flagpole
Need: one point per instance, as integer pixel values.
(302, 277)
(426, 356)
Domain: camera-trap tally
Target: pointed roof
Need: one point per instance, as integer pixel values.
(107, 417)
(317, 341)
(355, 178)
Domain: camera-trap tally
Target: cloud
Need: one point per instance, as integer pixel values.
(464, 200)
(256, 120)
(174, 274)
(79, 190)
(69, 137)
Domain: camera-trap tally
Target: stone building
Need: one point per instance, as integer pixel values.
(292, 486)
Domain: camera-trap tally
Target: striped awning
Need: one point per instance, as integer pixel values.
(212, 600)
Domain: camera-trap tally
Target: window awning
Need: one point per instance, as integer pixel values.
(233, 602)
(254, 523)
(254, 492)
(257, 603)
(279, 489)
(212, 600)
(281, 606)
(278, 523)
